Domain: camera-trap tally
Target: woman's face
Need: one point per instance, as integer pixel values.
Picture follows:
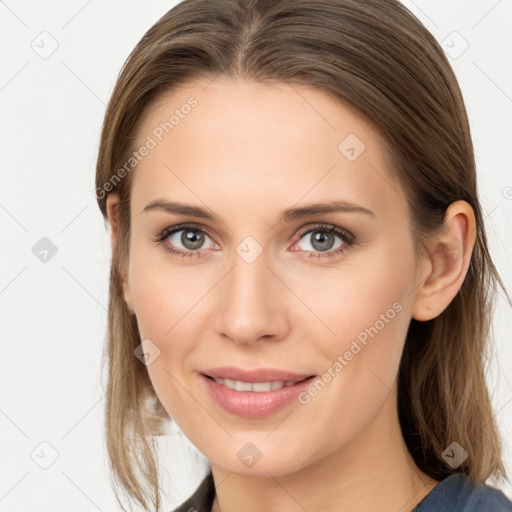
(256, 286)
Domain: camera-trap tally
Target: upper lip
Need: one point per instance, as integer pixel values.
(255, 375)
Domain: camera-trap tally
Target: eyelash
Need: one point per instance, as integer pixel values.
(346, 237)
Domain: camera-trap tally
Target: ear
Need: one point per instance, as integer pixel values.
(113, 204)
(447, 263)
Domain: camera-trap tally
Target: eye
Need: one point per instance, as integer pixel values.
(189, 236)
(321, 241)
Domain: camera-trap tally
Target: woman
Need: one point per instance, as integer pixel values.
(300, 274)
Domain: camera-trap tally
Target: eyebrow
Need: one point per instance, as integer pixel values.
(288, 215)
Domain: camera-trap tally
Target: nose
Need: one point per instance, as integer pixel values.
(251, 304)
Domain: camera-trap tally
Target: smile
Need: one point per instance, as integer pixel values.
(253, 399)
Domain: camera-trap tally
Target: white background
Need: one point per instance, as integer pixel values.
(53, 314)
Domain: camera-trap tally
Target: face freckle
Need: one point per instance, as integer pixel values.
(240, 158)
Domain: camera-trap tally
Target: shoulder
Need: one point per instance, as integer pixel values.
(202, 499)
(458, 493)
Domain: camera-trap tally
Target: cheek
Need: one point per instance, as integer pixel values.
(365, 301)
(369, 317)
(167, 301)
(163, 299)
(163, 295)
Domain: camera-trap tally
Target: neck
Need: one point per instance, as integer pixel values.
(373, 472)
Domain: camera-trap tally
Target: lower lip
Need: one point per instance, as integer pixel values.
(251, 404)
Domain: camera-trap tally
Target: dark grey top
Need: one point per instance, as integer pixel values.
(455, 493)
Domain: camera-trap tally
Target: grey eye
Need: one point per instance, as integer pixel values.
(320, 240)
(191, 239)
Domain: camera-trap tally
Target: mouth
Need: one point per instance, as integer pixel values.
(257, 394)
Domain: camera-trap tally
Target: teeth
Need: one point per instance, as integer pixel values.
(258, 387)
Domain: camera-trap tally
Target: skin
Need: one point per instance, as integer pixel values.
(247, 152)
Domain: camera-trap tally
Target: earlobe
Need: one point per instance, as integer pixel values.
(449, 258)
(113, 203)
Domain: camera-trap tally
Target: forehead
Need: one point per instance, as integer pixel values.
(274, 145)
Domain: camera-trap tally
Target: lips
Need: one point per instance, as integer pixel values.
(255, 375)
(253, 393)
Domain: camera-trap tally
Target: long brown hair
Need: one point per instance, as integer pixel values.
(377, 58)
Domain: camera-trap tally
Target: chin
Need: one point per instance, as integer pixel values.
(260, 459)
